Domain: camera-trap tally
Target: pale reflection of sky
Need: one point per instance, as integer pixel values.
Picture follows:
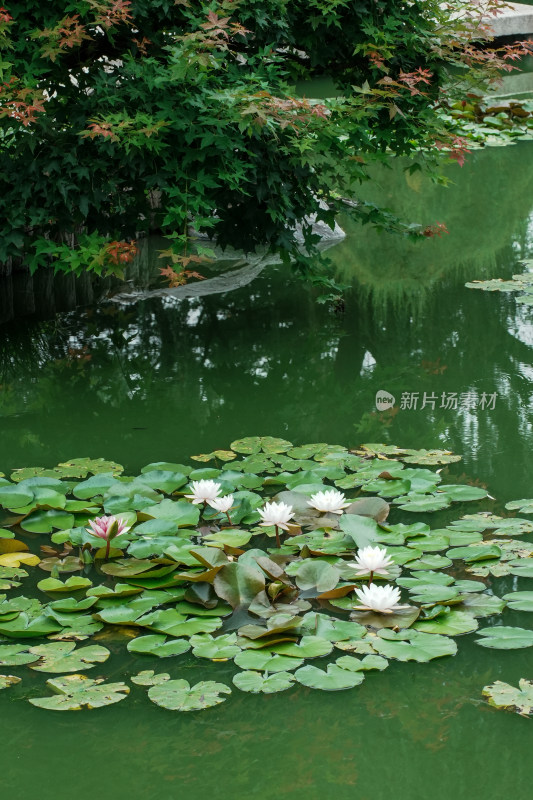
(521, 327)
(193, 315)
(369, 362)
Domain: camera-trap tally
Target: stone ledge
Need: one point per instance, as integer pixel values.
(514, 21)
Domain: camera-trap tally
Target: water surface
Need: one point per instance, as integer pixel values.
(162, 379)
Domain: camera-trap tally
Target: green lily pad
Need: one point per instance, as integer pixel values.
(505, 638)
(131, 567)
(69, 605)
(148, 677)
(29, 626)
(119, 590)
(238, 584)
(13, 655)
(178, 695)
(503, 695)
(74, 692)
(266, 661)
(221, 455)
(475, 553)
(429, 457)
(96, 485)
(364, 531)
(520, 601)
(309, 647)
(428, 577)
(463, 493)
(430, 562)
(330, 680)
(482, 605)
(410, 645)
(431, 593)
(331, 629)
(522, 567)
(158, 645)
(524, 506)
(168, 621)
(5, 534)
(216, 648)
(8, 680)
(72, 584)
(256, 683)
(164, 480)
(423, 502)
(452, 624)
(182, 512)
(314, 573)
(230, 537)
(14, 496)
(64, 657)
(370, 662)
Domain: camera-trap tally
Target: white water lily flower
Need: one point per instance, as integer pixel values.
(383, 599)
(371, 560)
(222, 504)
(204, 491)
(276, 514)
(332, 500)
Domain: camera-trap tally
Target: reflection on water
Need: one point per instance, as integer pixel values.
(161, 379)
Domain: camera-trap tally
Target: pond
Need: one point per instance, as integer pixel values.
(161, 379)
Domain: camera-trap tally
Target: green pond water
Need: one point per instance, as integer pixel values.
(162, 379)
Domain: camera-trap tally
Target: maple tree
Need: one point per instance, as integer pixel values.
(121, 117)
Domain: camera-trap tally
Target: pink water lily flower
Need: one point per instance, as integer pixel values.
(107, 528)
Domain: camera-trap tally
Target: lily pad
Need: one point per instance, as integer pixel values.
(149, 678)
(330, 680)
(410, 645)
(64, 657)
(14, 655)
(475, 553)
(238, 584)
(74, 692)
(309, 647)
(524, 506)
(365, 664)
(429, 457)
(8, 680)
(505, 638)
(482, 605)
(158, 645)
(423, 502)
(216, 648)
(452, 624)
(461, 493)
(14, 496)
(72, 584)
(503, 695)
(178, 695)
(520, 601)
(266, 661)
(255, 683)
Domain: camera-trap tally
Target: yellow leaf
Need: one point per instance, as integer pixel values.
(12, 546)
(16, 559)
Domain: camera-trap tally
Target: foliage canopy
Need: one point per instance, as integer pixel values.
(118, 117)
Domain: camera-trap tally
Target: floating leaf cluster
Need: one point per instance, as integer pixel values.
(182, 577)
(522, 284)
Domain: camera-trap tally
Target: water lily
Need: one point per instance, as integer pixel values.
(277, 515)
(332, 500)
(107, 528)
(204, 491)
(382, 599)
(222, 504)
(373, 560)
